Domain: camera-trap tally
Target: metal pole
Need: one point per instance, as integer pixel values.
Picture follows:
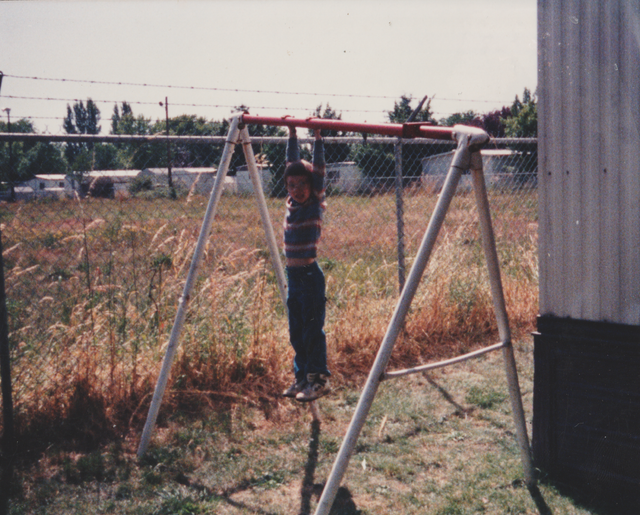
(11, 183)
(400, 214)
(401, 130)
(172, 346)
(166, 113)
(400, 199)
(466, 138)
(489, 246)
(440, 364)
(8, 437)
(264, 213)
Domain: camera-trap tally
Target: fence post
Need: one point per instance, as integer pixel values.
(7, 402)
(400, 199)
(169, 178)
(11, 182)
(400, 214)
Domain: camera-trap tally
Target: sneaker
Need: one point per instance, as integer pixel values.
(295, 389)
(317, 386)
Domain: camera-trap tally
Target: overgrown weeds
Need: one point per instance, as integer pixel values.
(93, 287)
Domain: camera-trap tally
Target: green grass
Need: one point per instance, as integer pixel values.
(430, 445)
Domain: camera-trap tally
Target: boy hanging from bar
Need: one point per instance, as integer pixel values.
(306, 285)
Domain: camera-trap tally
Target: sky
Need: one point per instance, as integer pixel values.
(284, 57)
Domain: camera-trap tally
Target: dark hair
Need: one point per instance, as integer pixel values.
(300, 168)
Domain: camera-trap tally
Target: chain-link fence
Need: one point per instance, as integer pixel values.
(95, 262)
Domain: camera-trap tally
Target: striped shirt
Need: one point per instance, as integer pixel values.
(303, 222)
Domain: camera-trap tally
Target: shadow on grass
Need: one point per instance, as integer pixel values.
(246, 508)
(447, 396)
(308, 487)
(343, 503)
(536, 495)
(541, 504)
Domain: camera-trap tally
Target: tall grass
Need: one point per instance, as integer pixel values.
(93, 286)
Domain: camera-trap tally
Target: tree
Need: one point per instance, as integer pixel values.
(271, 154)
(334, 152)
(81, 119)
(377, 164)
(412, 155)
(107, 156)
(494, 122)
(523, 122)
(91, 120)
(130, 155)
(124, 122)
(190, 154)
(102, 187)
(402, 110)
(42, 158)
(12, 153)
(464, 118)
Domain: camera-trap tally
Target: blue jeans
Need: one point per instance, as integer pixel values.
(306, 302)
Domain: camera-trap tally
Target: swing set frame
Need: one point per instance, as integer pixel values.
(467, 157)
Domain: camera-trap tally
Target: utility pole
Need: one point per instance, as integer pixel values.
(10, 174)
(166, 112)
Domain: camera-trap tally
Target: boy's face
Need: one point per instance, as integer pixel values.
(299, 189)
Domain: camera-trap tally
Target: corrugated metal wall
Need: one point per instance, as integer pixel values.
(589, 159)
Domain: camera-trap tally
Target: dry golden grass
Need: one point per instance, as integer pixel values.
(93, 289)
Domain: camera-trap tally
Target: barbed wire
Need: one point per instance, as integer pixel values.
(139, 102)
(236, 90)
(177, 104)
(180, 104)
(436, 114)
(200, 88)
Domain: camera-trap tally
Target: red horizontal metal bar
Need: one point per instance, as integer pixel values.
(401, 130)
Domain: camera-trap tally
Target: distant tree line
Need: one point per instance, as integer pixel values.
(20, 161)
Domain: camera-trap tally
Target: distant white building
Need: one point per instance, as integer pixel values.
(22, 192)
(497, 166)
(242, 179)
(199, 179)
(121, 178)
(65, 186)
(196, 180)
(41, 185)
(344, 177)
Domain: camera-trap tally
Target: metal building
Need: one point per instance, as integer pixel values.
(587, 348)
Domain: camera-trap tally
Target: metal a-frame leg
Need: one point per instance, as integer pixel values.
(264, 213)
(467, 156)
(235, 132)
(489, 247)
(183, 302)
